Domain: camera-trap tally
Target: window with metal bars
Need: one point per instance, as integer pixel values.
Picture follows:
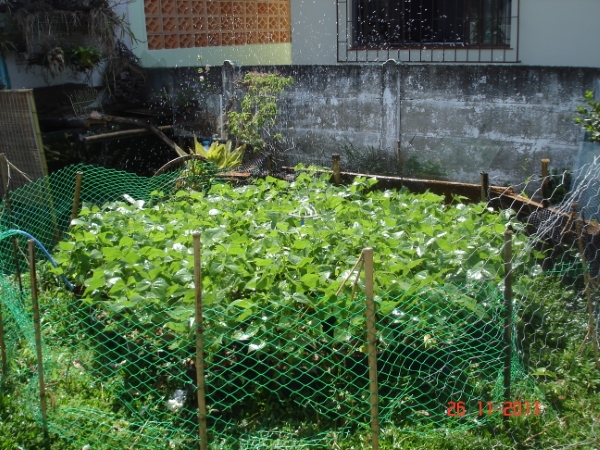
(409, 23)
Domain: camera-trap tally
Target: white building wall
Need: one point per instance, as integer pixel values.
(551, 32)
(560, 33)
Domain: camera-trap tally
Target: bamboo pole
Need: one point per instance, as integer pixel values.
(77, 195)
(122, 134)
(107, 118)
(17, 265)
(545, 175)
(3, 345)
(367, 255)
(14, 244)
(38, 336)
(485, 186)
(199, 344)
(4, 173)
(336, 169)
(508, 311)
(270, 164)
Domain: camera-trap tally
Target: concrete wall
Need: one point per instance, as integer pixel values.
(502, 120)
(551, 32)
(464, 118)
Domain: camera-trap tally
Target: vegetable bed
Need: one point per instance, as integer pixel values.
(281, 342)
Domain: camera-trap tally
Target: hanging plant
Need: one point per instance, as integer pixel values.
(54, 60)
(83, 59)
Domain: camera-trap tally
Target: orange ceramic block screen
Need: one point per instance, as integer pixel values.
(203, 23)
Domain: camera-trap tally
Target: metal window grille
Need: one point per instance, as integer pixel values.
(428, 30)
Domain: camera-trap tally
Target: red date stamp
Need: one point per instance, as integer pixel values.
(507, 409)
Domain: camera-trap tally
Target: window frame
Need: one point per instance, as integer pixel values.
(350, 49)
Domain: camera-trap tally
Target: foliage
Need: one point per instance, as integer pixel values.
(253, 124)
(278, 246)
(589, 116)
(275, 240)
(221, 154)
(39, 36)
(83, 58)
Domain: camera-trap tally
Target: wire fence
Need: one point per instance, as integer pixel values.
(174, 366)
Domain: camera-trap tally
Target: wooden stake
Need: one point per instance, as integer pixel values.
(507, 315)
(199, 344)
(270, 165)
(336, 169)
(77, 195)
(3, 345)
(4, 173)
(38, 336)
(14, 244)
(485, 186)
(17, 265)
(545, 175)
(367, 255)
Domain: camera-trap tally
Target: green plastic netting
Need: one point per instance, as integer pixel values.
(299, 381)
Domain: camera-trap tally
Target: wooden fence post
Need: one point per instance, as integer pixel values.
(4, 173)
(508, 312)
(336, 169)
(485, 186)
(372, 346)
(38, 336)
(199, 344)
(3, 344)
(77, 195)
(545, 174)
(270, 164)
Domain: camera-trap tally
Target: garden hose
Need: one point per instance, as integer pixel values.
(9, 233)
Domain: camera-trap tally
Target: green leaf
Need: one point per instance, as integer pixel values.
(256, 345)
(112, 253)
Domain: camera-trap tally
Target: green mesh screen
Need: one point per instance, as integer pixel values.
(291, 375)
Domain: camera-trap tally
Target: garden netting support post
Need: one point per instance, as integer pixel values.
(335, 162)
(545, 175)
(270, 164)
(77, 195)
(14, 243)
(3, 345)
(38, 336)
(485, 186)
(4, 173)
(199, 343)
(15, 247)
(508, 312)
(367, 255)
